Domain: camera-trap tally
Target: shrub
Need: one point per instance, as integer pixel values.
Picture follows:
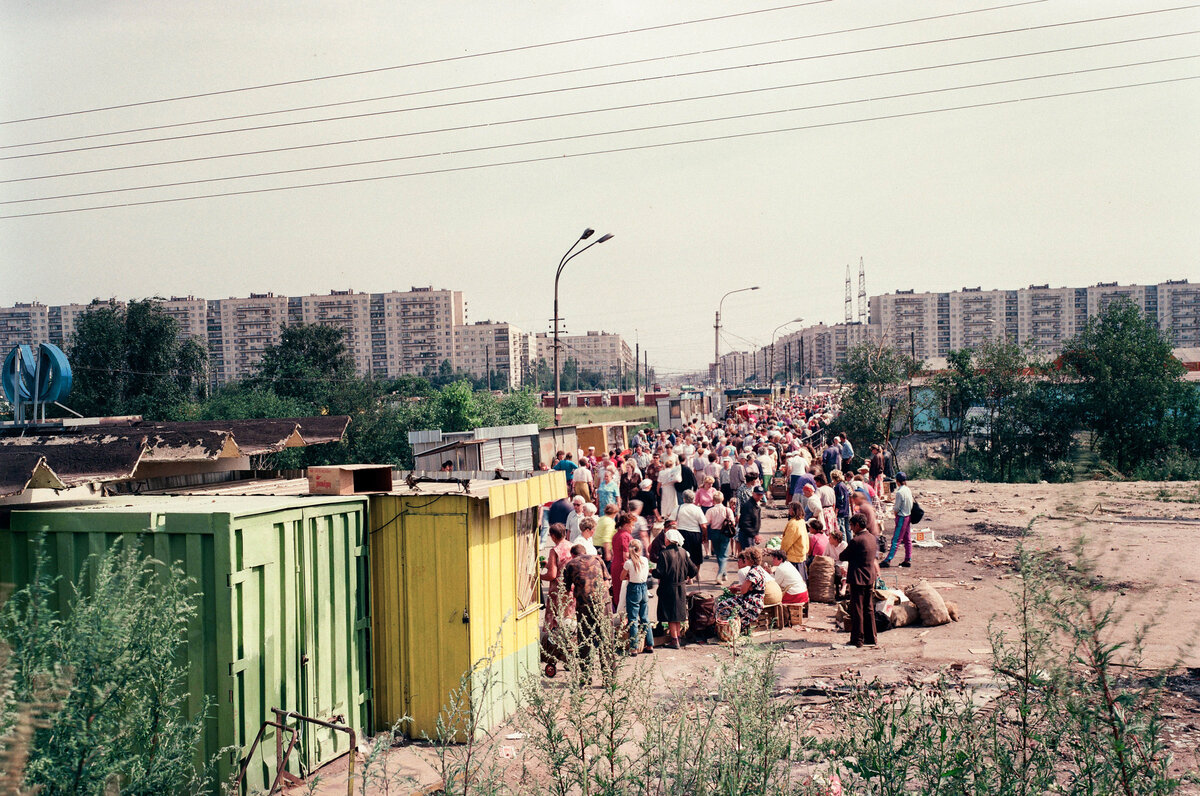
(108, 676)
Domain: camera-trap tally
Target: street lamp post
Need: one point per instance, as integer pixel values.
(777, 328)
(566, 258)
(717, 337)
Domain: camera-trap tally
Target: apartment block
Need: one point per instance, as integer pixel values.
(819, 350)
(486, 346)
(418, 329)
(23, 324)
(919, 323)
(975, 316)
(1177, 305)
(1047, 317)
(602, 352)
(239, 330)
(190, 313)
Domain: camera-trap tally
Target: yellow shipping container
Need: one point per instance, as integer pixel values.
(454, 581)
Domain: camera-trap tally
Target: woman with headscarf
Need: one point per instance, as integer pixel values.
(673, 570)
(691, 522)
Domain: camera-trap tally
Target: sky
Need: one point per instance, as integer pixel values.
(839, 135)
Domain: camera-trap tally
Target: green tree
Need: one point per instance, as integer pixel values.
(131, 361)
(1131, 390)
(876, 402)
(308, 363)
(956, 390)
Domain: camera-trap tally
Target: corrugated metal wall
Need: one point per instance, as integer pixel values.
(283, 614)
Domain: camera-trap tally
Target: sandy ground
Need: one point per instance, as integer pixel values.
(1145, 537)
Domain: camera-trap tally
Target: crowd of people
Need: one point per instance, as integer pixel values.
(645, 518)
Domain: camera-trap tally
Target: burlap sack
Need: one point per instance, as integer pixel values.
(929, 603)
(841, 616)
(905, 614)
(952, 609)
(772, 593)
(820, 580)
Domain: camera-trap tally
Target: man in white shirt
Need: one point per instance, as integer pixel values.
(901, 509)
(573, 519)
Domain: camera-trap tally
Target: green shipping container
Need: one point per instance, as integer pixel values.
(284, 611)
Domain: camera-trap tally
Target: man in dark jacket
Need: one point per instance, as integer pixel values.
(749, 519)
(860, 553)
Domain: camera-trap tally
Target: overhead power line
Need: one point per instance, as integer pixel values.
(607, 84)
(500, 81)
(589, 111)
(431, 62)
(614, 150)
(580, 136)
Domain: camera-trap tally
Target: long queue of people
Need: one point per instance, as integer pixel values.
(647, 516)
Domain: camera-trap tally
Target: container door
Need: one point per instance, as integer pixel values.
(435, 616)
(327, 600)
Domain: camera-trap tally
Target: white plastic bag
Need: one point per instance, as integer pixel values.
(621, 598)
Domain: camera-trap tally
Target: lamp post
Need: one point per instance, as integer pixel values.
(566, 258)
(777, 328)
(717, 337)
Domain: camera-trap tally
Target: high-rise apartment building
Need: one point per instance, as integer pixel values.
(1178, 309)
(239, 330)
(600, 352)
(190, 313)
(918, 323)
(818, 350)
(23, 324)
(499, 348)
(1047, 317)
(933, 324)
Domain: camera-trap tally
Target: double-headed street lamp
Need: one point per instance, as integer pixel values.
(717, 335)
(777, 328)
(566, 258)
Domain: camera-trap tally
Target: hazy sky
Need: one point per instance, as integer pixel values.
(1070, 190)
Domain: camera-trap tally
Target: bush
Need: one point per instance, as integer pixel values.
(1177, 465)
(107, 679)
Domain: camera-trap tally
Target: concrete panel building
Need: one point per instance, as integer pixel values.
(239, 330)
(23, 324)
(1178, 309)
(500, 347)
(601, 352)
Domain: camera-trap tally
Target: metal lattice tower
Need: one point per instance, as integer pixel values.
(862, 291)
(849, 302)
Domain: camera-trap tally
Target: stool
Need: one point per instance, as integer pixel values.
(794, 613)
(771, 617)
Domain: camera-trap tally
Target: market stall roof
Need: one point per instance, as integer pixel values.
(59, 456)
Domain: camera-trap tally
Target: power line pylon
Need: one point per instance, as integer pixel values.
(862, 291)
(849, 301)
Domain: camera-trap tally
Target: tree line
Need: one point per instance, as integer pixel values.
(1010, 414)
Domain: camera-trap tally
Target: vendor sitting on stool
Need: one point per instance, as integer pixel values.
(795, 590)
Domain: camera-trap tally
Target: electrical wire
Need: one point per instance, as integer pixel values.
(583, 136)
(614, 150)
(450, 59)
(545, 92)
(500, 81)
(570, 114)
